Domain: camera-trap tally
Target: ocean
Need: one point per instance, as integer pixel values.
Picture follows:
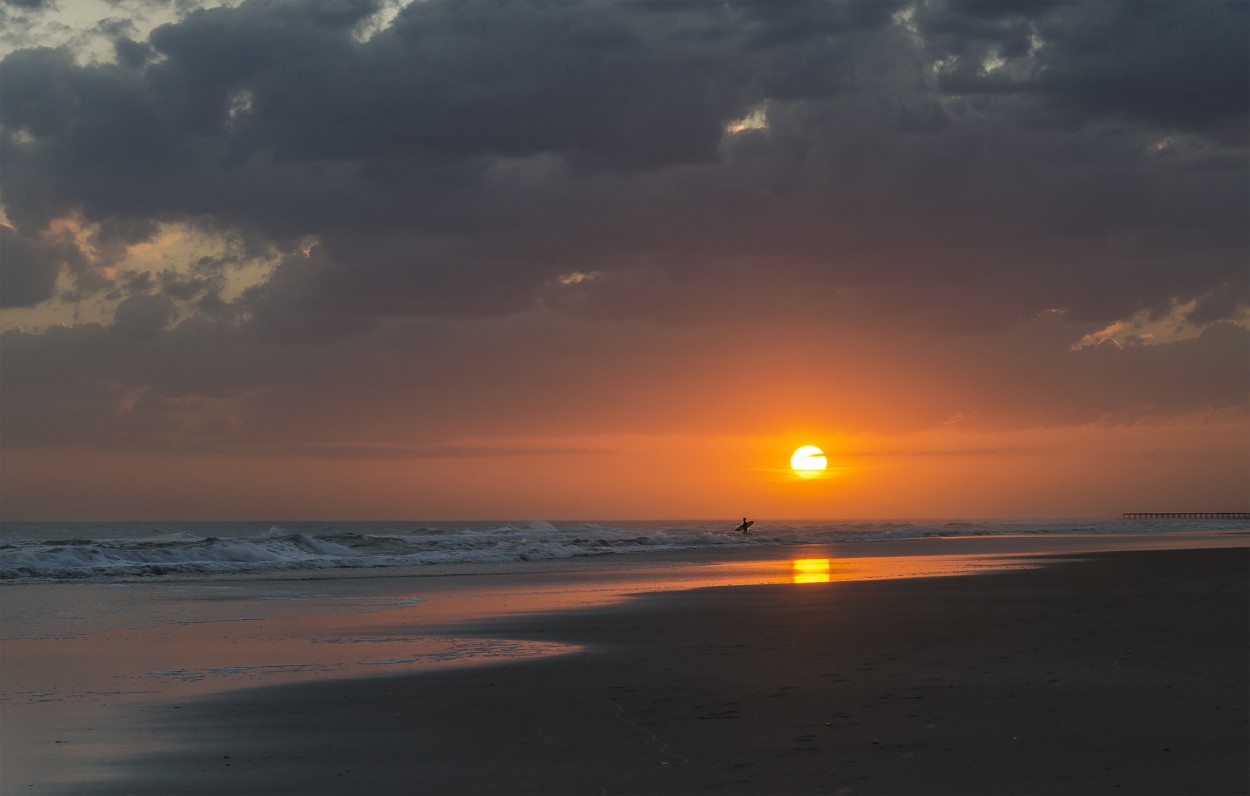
(51, 551)
(105, 625)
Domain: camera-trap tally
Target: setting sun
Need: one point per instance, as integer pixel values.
(808, 461)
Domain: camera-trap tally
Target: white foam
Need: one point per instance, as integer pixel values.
(354, 545)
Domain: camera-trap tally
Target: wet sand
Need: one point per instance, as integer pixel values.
(1117, 673)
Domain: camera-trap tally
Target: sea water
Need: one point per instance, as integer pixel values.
(84, 550)
(100, 622)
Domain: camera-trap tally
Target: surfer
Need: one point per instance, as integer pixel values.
(745, 524)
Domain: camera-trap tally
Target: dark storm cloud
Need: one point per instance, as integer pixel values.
(474, 161)
(28, 269)
(273, 118)
(1179, 66)
(468, 80)
(143, 317)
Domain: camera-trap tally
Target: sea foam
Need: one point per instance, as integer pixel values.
(49, 552)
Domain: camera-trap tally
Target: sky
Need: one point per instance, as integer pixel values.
(356, 259)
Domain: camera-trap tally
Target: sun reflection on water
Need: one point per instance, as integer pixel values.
(811, 570)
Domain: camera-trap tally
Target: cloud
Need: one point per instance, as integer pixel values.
(1172, 65)
(28, 269)
(464, 156)
(572, 202)
(142, 317)
(430, 385)
(409, 452)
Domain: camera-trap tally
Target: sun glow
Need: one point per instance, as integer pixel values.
(811, 570)
(808, 462)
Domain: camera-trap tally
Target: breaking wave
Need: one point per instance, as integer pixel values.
(32, 552)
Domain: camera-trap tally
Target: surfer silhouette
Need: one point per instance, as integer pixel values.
(745, 525)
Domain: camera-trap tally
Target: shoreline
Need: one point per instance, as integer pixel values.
(1111, 672)
(73, 674)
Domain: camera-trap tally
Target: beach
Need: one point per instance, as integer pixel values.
(610, 397)
(1121, 672)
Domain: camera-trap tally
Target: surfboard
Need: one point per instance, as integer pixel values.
(743, 527)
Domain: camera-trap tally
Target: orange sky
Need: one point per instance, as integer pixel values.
(1078, 472)
(618, 260)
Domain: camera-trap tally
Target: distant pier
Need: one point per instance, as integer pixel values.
(1187, 515)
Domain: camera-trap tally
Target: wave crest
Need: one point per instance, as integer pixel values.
(355, 545)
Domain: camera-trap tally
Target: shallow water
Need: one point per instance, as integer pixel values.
(77, 655)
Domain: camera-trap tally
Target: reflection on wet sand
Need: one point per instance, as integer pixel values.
(159, 642)
(811, 570)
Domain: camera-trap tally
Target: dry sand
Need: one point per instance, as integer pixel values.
(1119, 673)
